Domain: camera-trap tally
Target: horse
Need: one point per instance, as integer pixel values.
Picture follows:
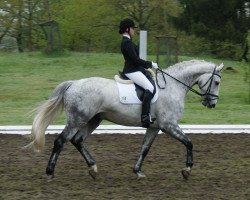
(88, 101)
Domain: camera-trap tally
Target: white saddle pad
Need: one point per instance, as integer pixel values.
(128, 94)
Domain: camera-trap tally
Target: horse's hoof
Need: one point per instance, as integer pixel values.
(140, 174)
(186, 173)
(93, 171)
(50, 178)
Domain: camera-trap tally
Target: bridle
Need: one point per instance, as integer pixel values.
(209, 81)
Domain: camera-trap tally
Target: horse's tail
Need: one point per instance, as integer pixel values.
(46, 113)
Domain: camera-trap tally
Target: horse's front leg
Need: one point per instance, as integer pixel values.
(147, 142)
(175, 131)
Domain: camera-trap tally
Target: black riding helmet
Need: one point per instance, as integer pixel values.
(126, 23)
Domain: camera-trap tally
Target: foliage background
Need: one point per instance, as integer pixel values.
(217, 27)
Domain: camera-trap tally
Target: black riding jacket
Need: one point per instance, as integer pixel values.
(130, 53)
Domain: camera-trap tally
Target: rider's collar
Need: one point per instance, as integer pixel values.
(126, 35)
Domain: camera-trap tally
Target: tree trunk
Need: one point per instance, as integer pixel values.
(19, 42)
(3, 34)
(19, 29)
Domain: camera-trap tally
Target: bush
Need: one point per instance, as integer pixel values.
(227, 50)
(192, 45)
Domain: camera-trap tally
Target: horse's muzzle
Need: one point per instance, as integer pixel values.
(211, 106)
(208, 104)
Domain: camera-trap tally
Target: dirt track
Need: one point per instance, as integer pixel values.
(221, 170)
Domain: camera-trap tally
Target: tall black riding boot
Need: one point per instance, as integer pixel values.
(145, 115)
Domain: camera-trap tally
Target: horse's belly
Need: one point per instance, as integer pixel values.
(123, 118)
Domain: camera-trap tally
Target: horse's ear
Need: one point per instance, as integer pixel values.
(220, 67)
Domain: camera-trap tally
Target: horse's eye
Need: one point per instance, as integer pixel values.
(217, 82)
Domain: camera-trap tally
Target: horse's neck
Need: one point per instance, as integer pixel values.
(189, 72)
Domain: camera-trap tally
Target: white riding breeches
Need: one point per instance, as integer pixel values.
(140, 79)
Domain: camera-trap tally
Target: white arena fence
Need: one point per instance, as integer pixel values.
(112, 129)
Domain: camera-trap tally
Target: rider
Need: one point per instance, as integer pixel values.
(134, 67)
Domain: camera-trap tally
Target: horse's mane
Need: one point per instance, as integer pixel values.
(191, 63)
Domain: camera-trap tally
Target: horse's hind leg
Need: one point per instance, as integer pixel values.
(147, 142)
(66, 134)
(80, 137)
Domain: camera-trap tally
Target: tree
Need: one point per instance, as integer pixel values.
(154, 16)
(148, 14)
(21, 18)
(222, 24)
(6, 19)
(219, 20)
(30, 8)
(87, 25)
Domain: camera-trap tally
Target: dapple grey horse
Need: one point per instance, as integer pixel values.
(89, 101)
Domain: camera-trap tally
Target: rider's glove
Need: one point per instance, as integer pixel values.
(154, 65)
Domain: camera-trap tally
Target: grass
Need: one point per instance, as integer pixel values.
(29, 78)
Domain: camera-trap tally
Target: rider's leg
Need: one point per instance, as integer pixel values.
(140, 79)
(145, 115)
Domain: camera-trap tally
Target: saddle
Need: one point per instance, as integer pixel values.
(121, 78)
(128, 90)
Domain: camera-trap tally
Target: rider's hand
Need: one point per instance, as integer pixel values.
(154, 65)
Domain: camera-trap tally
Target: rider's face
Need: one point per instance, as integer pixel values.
(131, 31)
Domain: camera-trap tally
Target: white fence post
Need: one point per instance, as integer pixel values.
(143, 45)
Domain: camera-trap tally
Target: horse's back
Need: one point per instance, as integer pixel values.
(90, 91)
(91, 84)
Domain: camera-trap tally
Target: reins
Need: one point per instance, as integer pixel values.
(189, 87)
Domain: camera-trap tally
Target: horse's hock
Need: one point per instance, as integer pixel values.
(166, 50)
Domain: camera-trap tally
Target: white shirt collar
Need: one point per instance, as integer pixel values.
(126, 35)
